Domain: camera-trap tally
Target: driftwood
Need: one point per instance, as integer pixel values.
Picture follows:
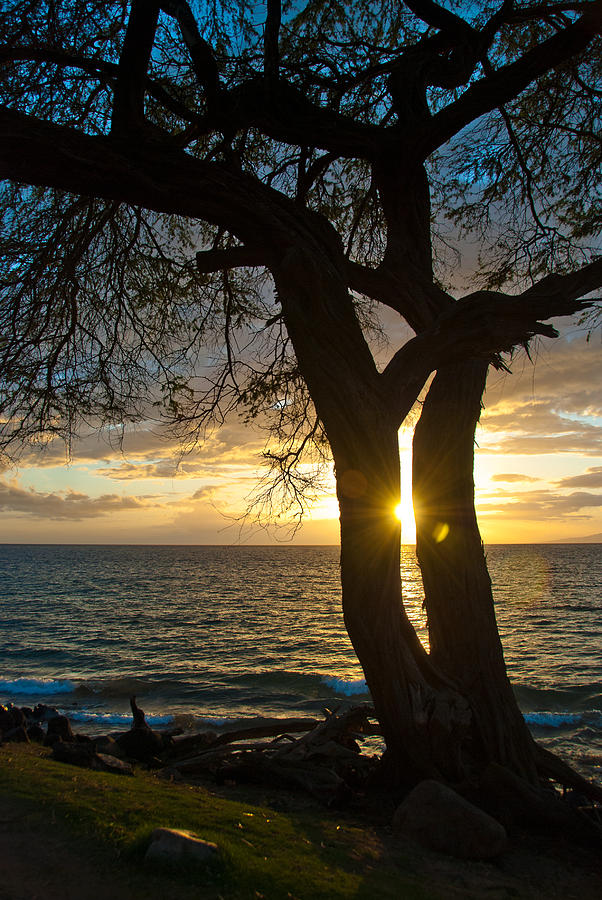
(551, 766)
(324, 760)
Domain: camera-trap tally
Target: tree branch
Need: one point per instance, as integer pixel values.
(99, 68)
(420, 303)
(201, 54)
(288, 115)
(510, 80)
(485, 324)
(148, 174)
(437, 17)
(270, 42)
(556, 288)
(128, 100)
(215, 260)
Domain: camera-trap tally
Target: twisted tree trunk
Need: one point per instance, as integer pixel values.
(424, 720)
(463, 632)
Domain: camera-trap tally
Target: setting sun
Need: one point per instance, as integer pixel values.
(405, 513)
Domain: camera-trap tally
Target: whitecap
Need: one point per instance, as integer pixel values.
(90, 718)
(37, 686)
(344, 685)
(552, 720)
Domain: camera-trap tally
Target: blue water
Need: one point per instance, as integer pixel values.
(212, 634)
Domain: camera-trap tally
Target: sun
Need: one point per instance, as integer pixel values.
(405, 513)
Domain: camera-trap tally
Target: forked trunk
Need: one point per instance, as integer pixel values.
(423, 720)
(463, 632)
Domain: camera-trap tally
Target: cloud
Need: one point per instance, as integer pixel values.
(71, 505)
(553, 406)
(541, 505)
(512, 477)
(591, 478)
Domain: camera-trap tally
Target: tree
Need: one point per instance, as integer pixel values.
(167, 162)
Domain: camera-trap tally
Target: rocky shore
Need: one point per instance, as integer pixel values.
(478, 822)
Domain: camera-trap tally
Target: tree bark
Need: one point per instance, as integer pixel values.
(424, 721)
(464, 639)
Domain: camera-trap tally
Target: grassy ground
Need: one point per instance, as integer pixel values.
(71, 834)
(264, 852)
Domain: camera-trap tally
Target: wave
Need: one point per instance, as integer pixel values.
(42, 687)
(91, 718)
(558, 719)
(343, 684)
(579, 698)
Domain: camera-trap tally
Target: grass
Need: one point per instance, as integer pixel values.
(306, 854)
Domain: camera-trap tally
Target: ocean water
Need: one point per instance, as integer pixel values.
(208, 635)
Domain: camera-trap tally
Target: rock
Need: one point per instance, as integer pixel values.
(109, 746)
(6, 720)
(43, 713)
(60, 725)
(81, 754)
(142, 744)
(10, 717)
(103, 762)
(36, 733)
(73, 753)
(16, 735)
(170, 845)
(438, 818)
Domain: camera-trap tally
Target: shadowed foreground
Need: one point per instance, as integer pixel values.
(72, 833)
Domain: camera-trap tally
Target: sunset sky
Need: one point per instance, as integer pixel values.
(538, 471)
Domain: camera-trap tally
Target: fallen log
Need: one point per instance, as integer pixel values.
(271, 728)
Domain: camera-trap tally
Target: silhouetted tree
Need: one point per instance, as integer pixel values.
(246, 187)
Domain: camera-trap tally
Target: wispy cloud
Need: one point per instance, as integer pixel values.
(591, 478)
(513, 477)
(72, 505)
(540, 505)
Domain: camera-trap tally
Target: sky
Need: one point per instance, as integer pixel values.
(538, 471)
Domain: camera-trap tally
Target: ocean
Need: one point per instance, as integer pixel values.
(206, 636)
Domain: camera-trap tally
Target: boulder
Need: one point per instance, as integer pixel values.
(142, 744)
(36, 733)
(74, 753)
(60, 725)
(43, 713)
(438, 818)
(170, 845)
(103, 762)
(109, 746)
(10, 717)
(6, 720)
(16, 735)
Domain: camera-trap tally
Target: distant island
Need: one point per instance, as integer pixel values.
(588, 539)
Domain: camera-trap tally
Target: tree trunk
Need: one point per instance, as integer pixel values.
(464, 639)
(424, 721)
